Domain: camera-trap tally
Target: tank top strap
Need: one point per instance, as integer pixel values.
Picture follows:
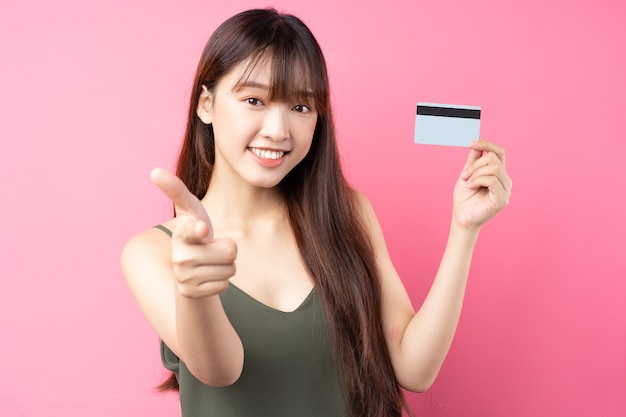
(163, 228)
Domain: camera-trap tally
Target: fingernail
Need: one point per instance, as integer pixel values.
(464, 174)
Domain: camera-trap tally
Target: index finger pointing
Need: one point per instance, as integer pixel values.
(184, 201)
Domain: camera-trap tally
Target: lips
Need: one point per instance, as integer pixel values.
(268, 158)
(267, 153)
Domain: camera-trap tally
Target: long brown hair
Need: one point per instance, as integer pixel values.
(322, 207)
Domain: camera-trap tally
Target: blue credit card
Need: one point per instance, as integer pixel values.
(446, 124)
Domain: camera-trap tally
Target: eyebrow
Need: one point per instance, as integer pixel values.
(254, 84)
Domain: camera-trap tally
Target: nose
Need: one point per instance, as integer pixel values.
(276, 123)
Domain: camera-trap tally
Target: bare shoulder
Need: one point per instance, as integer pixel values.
(372, 227)
(150, 247)
(364, 207)
(397, 309)
(147, 241)
(146, 262)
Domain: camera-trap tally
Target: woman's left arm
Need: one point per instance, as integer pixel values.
(418, 343)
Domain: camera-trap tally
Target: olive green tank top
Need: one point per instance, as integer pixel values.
(289, 369)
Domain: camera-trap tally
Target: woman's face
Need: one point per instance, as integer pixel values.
(257, 140)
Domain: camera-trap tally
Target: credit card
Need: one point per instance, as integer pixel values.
(446, 124)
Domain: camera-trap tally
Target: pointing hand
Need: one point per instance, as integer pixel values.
(202, 265)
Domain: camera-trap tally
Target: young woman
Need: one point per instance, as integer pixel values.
(271, 289)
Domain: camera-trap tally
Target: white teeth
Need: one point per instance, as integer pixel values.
(267, 154)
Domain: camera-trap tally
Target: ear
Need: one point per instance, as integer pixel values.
(205, 106)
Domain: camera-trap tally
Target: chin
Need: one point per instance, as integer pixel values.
(266, 183)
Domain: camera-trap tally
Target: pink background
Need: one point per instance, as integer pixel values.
(93, 95)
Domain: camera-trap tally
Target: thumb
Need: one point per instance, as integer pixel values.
(184, 201)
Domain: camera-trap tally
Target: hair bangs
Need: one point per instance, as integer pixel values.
(293, 75)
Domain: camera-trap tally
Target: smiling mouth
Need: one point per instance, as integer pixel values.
(267, 154)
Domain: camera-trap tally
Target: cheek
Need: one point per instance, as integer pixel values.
(305, 130)
(306, 142)
(230, 126)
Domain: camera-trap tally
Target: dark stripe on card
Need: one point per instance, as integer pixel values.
(448, 112)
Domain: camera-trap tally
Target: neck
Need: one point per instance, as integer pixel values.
(234, 206)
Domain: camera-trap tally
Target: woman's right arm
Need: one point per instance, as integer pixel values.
(177, 283)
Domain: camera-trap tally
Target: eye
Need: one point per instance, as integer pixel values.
(301, 108)
(253, 101)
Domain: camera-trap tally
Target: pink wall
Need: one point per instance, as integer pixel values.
(93, 95)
